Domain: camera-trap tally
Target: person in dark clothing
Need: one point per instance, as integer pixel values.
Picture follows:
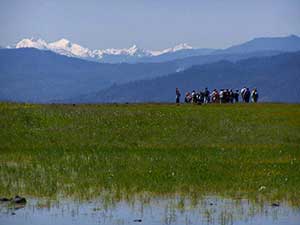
(231, 96)
(188, 97)
(215, 96)
(177, 96)
(206, 96)
(194, 96)
(226, 95)
(236, 96)
(254, 95)
(200, 97)
(247, 95)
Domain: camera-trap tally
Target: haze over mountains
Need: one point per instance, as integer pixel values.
(276, 77)
(36, 71)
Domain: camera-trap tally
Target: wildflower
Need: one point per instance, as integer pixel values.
(262, 188)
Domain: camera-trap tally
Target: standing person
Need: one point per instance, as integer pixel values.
(221, 96)
(177, 96)
(212, 96)
(247, 95)
(236, 96)
(226, 95)
(243, 91)
(254, 95)
(215, 96)
(206, 96)
(194, 97)
(231, 96)
(200, 97)
(188, 97)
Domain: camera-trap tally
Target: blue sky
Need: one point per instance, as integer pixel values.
(152, 24)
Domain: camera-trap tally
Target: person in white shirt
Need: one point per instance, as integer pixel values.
(243, 91)
(254, 95)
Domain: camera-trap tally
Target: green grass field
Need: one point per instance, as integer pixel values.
(80, 151)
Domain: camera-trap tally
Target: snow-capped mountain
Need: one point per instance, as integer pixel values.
(179, 47)
(133, 51)
(32, 43)
(135, 54)
(65, 47)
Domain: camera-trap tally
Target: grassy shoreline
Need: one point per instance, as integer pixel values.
(79, 151)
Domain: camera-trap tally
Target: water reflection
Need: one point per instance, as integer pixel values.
(208, 210)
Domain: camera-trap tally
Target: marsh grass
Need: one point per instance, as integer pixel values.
(84, 150)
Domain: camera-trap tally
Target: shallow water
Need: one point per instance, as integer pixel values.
(150, 211)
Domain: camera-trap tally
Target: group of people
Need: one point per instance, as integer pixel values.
(222, 96)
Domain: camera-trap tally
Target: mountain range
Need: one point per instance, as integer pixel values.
(135, 54)
(36, 71)
(111, 55)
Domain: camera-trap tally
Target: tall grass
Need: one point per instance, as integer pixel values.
(80, 151)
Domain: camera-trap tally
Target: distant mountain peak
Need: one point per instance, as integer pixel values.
(281, 44)
(134, 49)
(179, 47)
(291, 36)
(63, 43)
(32, 43)
(182, 46)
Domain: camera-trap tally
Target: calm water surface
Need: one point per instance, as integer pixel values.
(163, 210)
